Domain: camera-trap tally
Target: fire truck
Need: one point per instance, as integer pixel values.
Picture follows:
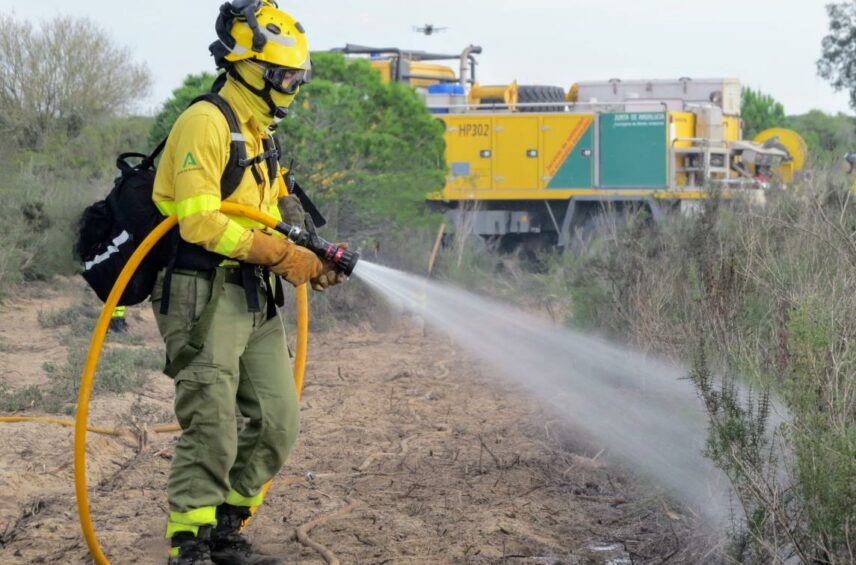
(542, 163)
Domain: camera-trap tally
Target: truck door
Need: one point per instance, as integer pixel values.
(469, 148)
(516, 155)
(567, 143)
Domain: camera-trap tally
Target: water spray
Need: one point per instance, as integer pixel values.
(641, 410)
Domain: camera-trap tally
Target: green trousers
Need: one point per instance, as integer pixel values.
(244, 364)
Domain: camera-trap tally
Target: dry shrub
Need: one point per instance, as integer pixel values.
(762, 299)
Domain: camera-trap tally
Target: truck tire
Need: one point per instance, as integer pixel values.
(539, 94)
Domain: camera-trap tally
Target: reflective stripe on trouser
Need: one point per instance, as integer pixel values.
(245, 364)
(119, 312)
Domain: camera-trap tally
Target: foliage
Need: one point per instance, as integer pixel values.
(828, 137)
(18, 399)
(759, 112)
(42, 194)
(61, 76)
(124, 366)
(193, 86)
(371, 148)
(837, 62)
(66, 89)
(763, 301)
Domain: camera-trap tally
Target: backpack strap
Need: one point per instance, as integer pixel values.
(235, 167)
(271, 145)
(149, 162)
(238, 161)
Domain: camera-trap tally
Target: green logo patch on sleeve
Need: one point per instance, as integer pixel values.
(189, 160)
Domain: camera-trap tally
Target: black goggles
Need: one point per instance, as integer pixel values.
(286, 80)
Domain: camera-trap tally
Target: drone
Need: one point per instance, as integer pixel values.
(429, 29)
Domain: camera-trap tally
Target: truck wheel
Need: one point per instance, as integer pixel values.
(529, 248)
(539, 94)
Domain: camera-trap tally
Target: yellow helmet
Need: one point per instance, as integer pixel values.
(258, 32)
(258, 29)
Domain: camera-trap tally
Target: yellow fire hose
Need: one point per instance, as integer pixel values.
(100, 332)
(94, 429)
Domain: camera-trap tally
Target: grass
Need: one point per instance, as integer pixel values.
(20, 399)
(79, 315)
(141, 411)
(80, 319)
(757, 299)
(6, 347)
(124, 365)
(120, 370)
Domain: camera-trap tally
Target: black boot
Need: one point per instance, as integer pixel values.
(228, 545)
(192, 550)
(118, 325)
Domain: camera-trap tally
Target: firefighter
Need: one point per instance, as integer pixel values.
(850, 163)
(118, 322)
(215, 304)
(850, 168)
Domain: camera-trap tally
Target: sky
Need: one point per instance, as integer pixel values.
(771, 45)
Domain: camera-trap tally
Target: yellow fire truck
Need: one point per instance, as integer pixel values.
(539, 162)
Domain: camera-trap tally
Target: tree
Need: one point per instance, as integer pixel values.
(193, 86)
(357, 144)
(828, 137)
(61, 75)
(837, 62)
(367, 147)
(759, 112)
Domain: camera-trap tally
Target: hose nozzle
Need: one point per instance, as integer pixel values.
(343, 260)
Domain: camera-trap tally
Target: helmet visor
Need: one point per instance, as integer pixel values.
(285, 79)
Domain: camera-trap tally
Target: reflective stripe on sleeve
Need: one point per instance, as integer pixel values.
(230, 239)
(166, 207)
(196, 204)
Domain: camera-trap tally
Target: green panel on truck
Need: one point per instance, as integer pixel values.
(633, 150)
(577, 170)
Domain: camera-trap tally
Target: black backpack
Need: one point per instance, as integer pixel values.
(111, 229)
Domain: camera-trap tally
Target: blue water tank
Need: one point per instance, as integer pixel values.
(446, 89)
(441, 96)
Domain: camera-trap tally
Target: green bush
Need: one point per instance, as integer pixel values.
(763, 299)
(42, 195)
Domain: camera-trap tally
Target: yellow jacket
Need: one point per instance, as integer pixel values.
(188, 176)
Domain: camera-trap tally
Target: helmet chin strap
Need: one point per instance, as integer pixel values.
(278, 113)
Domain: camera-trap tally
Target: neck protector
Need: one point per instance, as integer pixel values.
(250, 76)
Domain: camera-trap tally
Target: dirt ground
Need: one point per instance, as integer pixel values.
(407, 454)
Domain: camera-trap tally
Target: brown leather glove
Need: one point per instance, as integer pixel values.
(292, 262)
(330, 277)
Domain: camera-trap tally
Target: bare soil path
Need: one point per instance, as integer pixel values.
(407, 454)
